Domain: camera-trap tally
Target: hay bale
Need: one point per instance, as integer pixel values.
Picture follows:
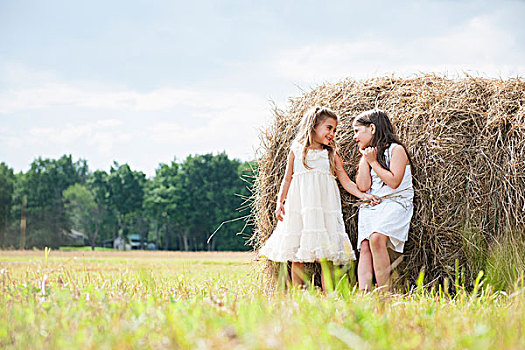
(467, 141)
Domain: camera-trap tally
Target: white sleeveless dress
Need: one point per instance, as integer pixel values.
(392, 216)
(313, 226)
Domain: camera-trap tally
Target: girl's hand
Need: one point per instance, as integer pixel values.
(370, 154)
(279, 211)
(373, 199)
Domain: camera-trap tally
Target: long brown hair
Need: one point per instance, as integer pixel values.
(313, 117)
(384, 135)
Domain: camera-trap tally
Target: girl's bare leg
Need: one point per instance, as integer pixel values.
(365, 268)
(381, 259)
(297, 273)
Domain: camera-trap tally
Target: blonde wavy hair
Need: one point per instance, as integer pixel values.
(305, 136)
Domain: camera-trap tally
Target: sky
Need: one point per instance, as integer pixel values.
(149, 82)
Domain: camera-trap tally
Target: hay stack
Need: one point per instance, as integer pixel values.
(467, 140)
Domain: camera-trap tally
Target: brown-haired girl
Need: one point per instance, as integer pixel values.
(384, 170)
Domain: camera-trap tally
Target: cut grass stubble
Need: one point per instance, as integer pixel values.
(159, 302)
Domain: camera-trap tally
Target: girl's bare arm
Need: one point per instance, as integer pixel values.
(285, 184)
(347, 184)
(398, 162)
(363, 179)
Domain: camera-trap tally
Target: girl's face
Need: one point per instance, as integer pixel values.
(363, 135)
(324, 132)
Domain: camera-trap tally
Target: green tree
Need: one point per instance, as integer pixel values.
(188, 201)
(43, 185)
(208, 190)
(160, 205)
(83, 212)
(236, 224)
(98, 184)
(7, 182)
(125, 194)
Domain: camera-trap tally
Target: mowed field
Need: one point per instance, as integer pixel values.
(172, 300)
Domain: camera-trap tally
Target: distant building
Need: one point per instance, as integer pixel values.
(132, 241)
(75, 238)
(135, 241)
(119, 243)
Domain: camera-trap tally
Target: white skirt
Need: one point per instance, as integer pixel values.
(390, 218)
(313, 226)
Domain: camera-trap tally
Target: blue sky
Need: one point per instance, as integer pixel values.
(142, 82)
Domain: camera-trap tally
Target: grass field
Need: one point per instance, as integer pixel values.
(166, 300)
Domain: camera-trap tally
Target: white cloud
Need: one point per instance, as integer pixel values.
(51, 93)
(230, 126)
(106, 141)
(479, 46)
(40, 132)
(100, 134)
(143, 128)
(109, 122)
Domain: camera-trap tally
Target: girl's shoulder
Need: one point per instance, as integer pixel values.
(296, 148)
(398, 151)
(397, 147)
(387, 153)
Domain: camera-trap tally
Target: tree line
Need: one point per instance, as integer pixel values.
(179, 208)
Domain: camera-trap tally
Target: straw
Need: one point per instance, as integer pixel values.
(467, 141)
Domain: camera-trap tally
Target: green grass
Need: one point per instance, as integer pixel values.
(161, 301)
(86, 248)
